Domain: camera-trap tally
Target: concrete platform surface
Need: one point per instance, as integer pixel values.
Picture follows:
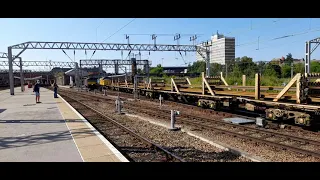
(51, 131)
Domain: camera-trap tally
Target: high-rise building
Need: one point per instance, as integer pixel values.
(222, 49)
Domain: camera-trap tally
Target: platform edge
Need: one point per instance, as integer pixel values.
(102, 138)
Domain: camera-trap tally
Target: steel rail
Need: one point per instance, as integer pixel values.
(279, 145)
(152, 144)
(304, 140)
(275, 144)
(261, 140)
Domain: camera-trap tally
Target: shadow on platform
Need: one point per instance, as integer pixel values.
(37, 139)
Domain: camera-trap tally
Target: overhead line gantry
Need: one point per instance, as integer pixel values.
(98, 46)
(309, 51)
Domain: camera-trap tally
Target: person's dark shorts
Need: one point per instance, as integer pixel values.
(37, 93)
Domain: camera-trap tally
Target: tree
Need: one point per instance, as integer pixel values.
(298, 68)
(197, 67)
(288, 59)
(215, 69)
(261, 67)
(286, 71)
(270, 71)
(277, 69)
(156, 70)
(236, 72)
(315, 67)
(247, 66)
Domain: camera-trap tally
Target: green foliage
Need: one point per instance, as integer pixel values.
(272, 70)
(196, 81)
(247, 66)
(237, 80)
(315, 67)
(236, 71)
(288, 59)
(273, 81)
(157, 70)
(286, 71)
(197, 67)
(272, 74)
(215, 69)
(298, 68)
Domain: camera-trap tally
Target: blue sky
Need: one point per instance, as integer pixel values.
(245, 30)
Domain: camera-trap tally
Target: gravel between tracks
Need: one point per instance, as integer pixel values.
(182, 144)
(257, 149)
(201, 149)
(207, 113)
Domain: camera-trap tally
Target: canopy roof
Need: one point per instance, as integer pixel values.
(72, 72)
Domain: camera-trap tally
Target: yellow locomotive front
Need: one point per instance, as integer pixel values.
(105, 81)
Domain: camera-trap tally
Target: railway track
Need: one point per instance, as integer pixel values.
(168, 102)
(195, 109)
(135, 147)
(248, 133)
(280, 140)
(222, 112)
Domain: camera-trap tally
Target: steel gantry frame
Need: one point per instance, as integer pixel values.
(116, 63)
(21, 63)
(102, 46)
(24, 71)
(96, 62)
(96, 46)
(5, 55)
(41, 63)
(309, 51)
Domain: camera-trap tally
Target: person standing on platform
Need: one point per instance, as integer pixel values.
(36, 89)
(55, 89)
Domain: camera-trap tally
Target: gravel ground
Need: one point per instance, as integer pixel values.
(212, 115)
(258, 134)
(258, 149)
(184, 141)
(264, 151)
(133, 148)
(191, 148)
(188, 147)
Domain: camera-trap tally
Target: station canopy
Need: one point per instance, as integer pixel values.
(30, 79)
(72, 72)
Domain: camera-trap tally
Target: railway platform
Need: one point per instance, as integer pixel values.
(50, 131)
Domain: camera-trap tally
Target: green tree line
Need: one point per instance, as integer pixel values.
(273, 72)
